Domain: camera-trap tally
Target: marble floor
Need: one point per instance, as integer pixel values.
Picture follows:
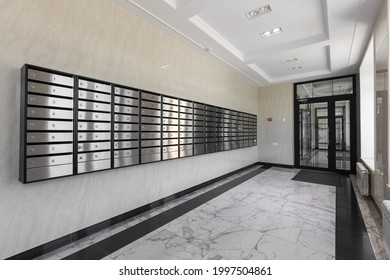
(268, 216)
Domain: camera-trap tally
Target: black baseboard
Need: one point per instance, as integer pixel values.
(276, 164)
(72, 237)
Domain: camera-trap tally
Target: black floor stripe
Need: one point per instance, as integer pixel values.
(111, 244)
(352, 241)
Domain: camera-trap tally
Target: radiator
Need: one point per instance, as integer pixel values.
(386, 226)
(362, 178)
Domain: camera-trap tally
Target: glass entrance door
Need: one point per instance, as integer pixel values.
(324, 135)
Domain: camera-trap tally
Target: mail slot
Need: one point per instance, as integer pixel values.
(49, 161)
(170, 155)
(41, 173)
(199, 106)
(170, 149)
(83, 126)
(149, 112)
(186, 122)
(87, 105)
(126, 101)
(199, 140)
(186, 134)
(186, 116)
(210, 148)
(41, 113)
(199, 149)
(185, 103)
(227, 146)
(126, 153)
(151, 135)
(219, 147)
(186, 153)
(126, 110)
(125, 127)
(49, 90)
(49, 125)
(170, 128)
(151, 105)
(170, 135)
(126, 161)
(50, 77)
(186, 128)
(199, 118)
(126, 144)
(150, 127)
(92, 116)
(125, 118)
(199, 125)
(151, 120)
(167, 142)
(186, 110)
(125, 135)
(170, 115)
(96, 165)
(199, 134)
(150, 158)
(152, 97)
(198, 112)
(150, 143)
(42, 137)
(97, 146)
(94, 86)
(126, 92)
(93, 136)
(170, 121)
(94, 96)
(34, 150)
(49, 101)
(186, 141)
(168, 100)
(167, 107)
(93, 156)
(148, 151)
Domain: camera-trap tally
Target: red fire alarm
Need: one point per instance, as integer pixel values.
(269, 119)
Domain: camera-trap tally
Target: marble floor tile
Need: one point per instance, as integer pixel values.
(273, 248)
(235, 243)
(164, 245)
(318, 239)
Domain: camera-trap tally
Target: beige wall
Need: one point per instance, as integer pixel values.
(276, 137)
(98, 39)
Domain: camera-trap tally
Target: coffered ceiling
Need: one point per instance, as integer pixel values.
(314, 38)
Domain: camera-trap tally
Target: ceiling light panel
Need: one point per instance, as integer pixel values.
(271, 32)
(258, 12)
(289, 60)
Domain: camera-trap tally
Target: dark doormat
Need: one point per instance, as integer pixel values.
(318, 177)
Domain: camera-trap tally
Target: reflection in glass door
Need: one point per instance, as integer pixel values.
(314, 134)
(343, 139)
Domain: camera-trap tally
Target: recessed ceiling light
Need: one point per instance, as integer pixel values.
(289, 60)
(271, 32)
(165, 66)
(258, 12)
(294, 68)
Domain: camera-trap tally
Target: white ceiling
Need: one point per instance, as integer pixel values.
(328, 37)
